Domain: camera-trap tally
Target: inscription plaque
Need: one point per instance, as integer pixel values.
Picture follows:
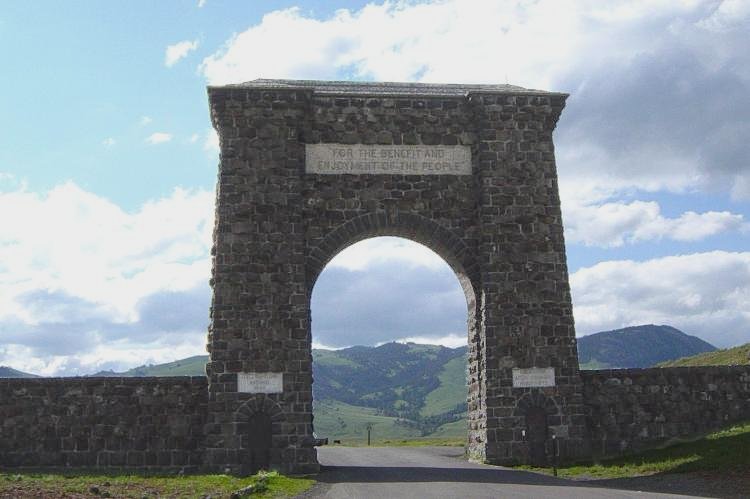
(533, 377)
(336, 159)
(260, 382)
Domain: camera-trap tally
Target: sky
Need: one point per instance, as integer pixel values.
(108, 163)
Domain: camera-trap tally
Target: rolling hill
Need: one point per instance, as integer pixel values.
(9, 372)
(637, 346)
(190, 366)
(395, 378)
(420, 387)
(737, 356)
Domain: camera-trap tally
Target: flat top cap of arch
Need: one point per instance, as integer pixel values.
(387, 88)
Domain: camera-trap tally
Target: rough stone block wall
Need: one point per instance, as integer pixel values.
(628, 410)
(123, 423)
(259, 313)
(527, 313)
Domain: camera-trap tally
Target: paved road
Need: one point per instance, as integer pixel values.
(439, 472)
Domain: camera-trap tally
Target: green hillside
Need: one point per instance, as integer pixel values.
(394, 378)
(451, 392)
(191, 366)
(423, 386)
(455, 430)
(737, 356)
(340, 421)
(637, 346)
(348, 423)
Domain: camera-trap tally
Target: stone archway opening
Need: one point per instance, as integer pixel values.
(376, 292)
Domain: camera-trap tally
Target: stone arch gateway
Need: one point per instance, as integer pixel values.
(310, 167)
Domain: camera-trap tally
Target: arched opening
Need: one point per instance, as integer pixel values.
(393, 323)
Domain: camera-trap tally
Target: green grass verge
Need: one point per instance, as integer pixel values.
(724, 450)
(70, 484)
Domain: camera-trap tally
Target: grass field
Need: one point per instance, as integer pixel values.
(736, 356)
(452, 389)
(726, 450)
(454, 430)
(74, 485)
(348, 423)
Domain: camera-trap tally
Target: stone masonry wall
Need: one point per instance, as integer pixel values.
(628, 410)
(134, 423)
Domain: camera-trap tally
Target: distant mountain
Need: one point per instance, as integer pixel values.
(9, 372)
(637, 346)
(737, 356)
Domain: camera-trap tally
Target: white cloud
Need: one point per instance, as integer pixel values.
(179, 51)
(145, 120)
(727, 15)
(706, 294)
(441, 41)
(532, 43)
(612, 224)
(105, 356)
(159, 138)
(201, 3)
(211, 142)
(109, 142)
(76, 266)
(393, 250)
(450, 340)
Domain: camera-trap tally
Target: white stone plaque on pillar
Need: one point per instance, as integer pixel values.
(260, 382)
(533, 377)
(361, 159)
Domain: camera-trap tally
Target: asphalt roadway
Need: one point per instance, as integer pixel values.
(440, 472)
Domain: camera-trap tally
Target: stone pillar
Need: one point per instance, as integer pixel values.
(527, 318)
(259, 311)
